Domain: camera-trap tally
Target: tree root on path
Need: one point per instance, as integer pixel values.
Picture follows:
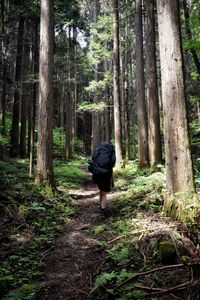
(179, 287)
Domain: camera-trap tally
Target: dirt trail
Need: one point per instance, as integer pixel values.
(75, 258)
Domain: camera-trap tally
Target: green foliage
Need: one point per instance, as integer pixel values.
(33, 220)
(8, 125)
(98, 229)
(103, 279)
(195, 26)
(99, 86)
(88, 106)
(26, 292)
(118, 253)
(100, 32)
(58, 142)
(69, 174)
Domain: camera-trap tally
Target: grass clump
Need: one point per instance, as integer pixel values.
(69, 174)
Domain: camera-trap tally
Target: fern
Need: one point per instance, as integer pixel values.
(102, 279)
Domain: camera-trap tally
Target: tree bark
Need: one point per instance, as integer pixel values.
(34, 99)
(16, 106)
(116, 84)
(69, 107)
(179, 172)
(95, 139)
(107, 109)
(140, 90)
(25, 91)
(155, 155)
(45, 137)
(126, 89)
(2, 69)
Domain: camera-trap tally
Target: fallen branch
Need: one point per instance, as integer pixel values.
(155, 270)
(176, 288)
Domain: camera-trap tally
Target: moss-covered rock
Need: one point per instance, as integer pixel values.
(166, 252)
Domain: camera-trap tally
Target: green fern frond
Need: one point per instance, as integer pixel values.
(102, 279)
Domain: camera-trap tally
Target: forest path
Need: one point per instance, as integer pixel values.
(73, 263)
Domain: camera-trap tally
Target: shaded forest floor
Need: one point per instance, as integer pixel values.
(59, 247)
(76, 257)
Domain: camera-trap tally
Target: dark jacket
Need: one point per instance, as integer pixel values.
(103, 160)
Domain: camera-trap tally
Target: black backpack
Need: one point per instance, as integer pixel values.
(103, 159)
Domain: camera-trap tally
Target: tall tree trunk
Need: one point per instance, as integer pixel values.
(126, 88)
(25, 91)
(16, 106)
(2, 69)
(69, 108)
(116, 84)
(152, 89)
(140, 88)
(34, 98)
(73, 85)
(96, 139)
(179, 172)
(45, 137)
(107, 109)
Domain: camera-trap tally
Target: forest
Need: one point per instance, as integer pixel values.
(74, 74)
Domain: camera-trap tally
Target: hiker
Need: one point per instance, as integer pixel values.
(101, 166)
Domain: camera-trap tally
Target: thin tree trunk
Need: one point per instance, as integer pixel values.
(69, 108)
(34, 100)
(16, 106)
(140, 87)
(45, 133)
(62, 110)
(116, 84)
(126, 89)
(2, 69)
(73, 86)
(107, 109)
(25, 92)
(198, 111)
(152, 89)
(96, 139)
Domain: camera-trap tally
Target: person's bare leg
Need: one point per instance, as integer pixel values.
(103, 199)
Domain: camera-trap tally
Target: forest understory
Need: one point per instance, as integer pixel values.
(74, 74)
(60, 247)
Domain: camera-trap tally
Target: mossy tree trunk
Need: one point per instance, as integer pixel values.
(179, 171)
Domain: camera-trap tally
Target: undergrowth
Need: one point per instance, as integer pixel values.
(142, 241)
(138, 191)
(30, 220)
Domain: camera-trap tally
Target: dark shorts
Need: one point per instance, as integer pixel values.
(104, 182)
